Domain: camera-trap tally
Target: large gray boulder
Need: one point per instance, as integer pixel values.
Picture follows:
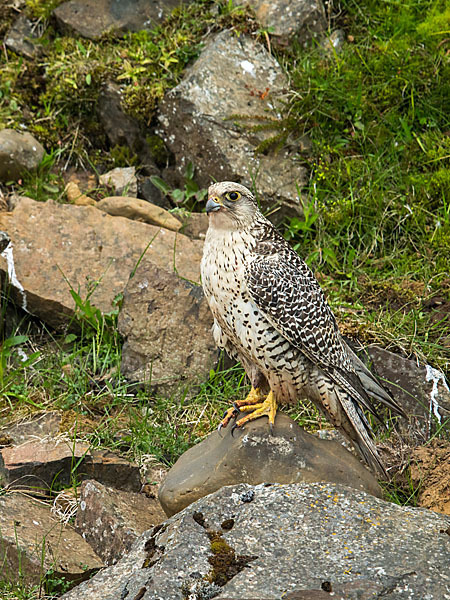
(290, 541)
(252, 455)
(234, 82)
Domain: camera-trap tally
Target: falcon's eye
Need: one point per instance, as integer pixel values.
(233, 196)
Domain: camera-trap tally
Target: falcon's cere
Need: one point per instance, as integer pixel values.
(271, 314)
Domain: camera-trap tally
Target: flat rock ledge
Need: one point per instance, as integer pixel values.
(290, 541)
(252, 455)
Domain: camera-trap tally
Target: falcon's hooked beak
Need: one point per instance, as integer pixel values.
(213, 204)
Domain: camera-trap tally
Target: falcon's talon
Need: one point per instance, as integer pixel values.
(235, 426)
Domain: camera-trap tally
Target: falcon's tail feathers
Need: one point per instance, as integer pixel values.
(372, 387)
(361, 437)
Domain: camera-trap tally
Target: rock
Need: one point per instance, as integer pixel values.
(75, 195)
(195, 225)
(55, 243)
(285, 19)
(334, 43)
(430, 474)
(253, 455)
(39, 463)
(122, 180)
(4, 241)
(33, 542)
(40, 425)
(94, 18)
(139, 210)
(271, 541)
(233, 76)
(111, 520)
(123, 130)
(421, 391)
(166, 324)
(19, 153)
(20, 38)
(148, 191)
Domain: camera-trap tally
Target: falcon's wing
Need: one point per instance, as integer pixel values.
(286, 291)
(288, 294)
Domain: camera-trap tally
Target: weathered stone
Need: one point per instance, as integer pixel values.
(285, 19)
(38, 426)
(272, 541)
(20, 38)
(111, 520)
(32, 542)
(233, 76)
(421, 391)
(39, 463)
(122, 180)
(138, 210)
(19, 153)
(93, 18)
(123, 130)
(149, 191)
(253, 455)
(76, 196)
(53, 244)
(195, 225)
(166, 323)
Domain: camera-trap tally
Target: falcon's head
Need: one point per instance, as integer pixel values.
(230, 205)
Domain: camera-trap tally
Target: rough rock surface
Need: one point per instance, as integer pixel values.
(111, 520)
(32, 542)
(123, 130)
(38, 426)
(195, 225)
(55, 243)
(421, 390)
(93, 18)
(252, 455)
(264, 542)
(138, 210)
(20, 38)
(121, 180)
(19, 152)
(233, 76)
(166, 323)
(285, 19)
(38, 463)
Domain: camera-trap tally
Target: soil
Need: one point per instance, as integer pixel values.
(430, 469)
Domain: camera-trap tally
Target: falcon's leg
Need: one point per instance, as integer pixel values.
(266, 408)
(254, 398)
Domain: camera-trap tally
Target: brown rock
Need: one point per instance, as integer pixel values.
(139, 210)
(166, 323)
(254, 456)
(53, 244)
(39, 464)
(33, 542)
(111, 520)
(76, 196)
(195, 225)
(38, 426)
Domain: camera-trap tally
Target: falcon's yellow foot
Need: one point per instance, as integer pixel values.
(266, 408)
(254, 398)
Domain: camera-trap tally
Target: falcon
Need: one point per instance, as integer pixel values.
(271, 314)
